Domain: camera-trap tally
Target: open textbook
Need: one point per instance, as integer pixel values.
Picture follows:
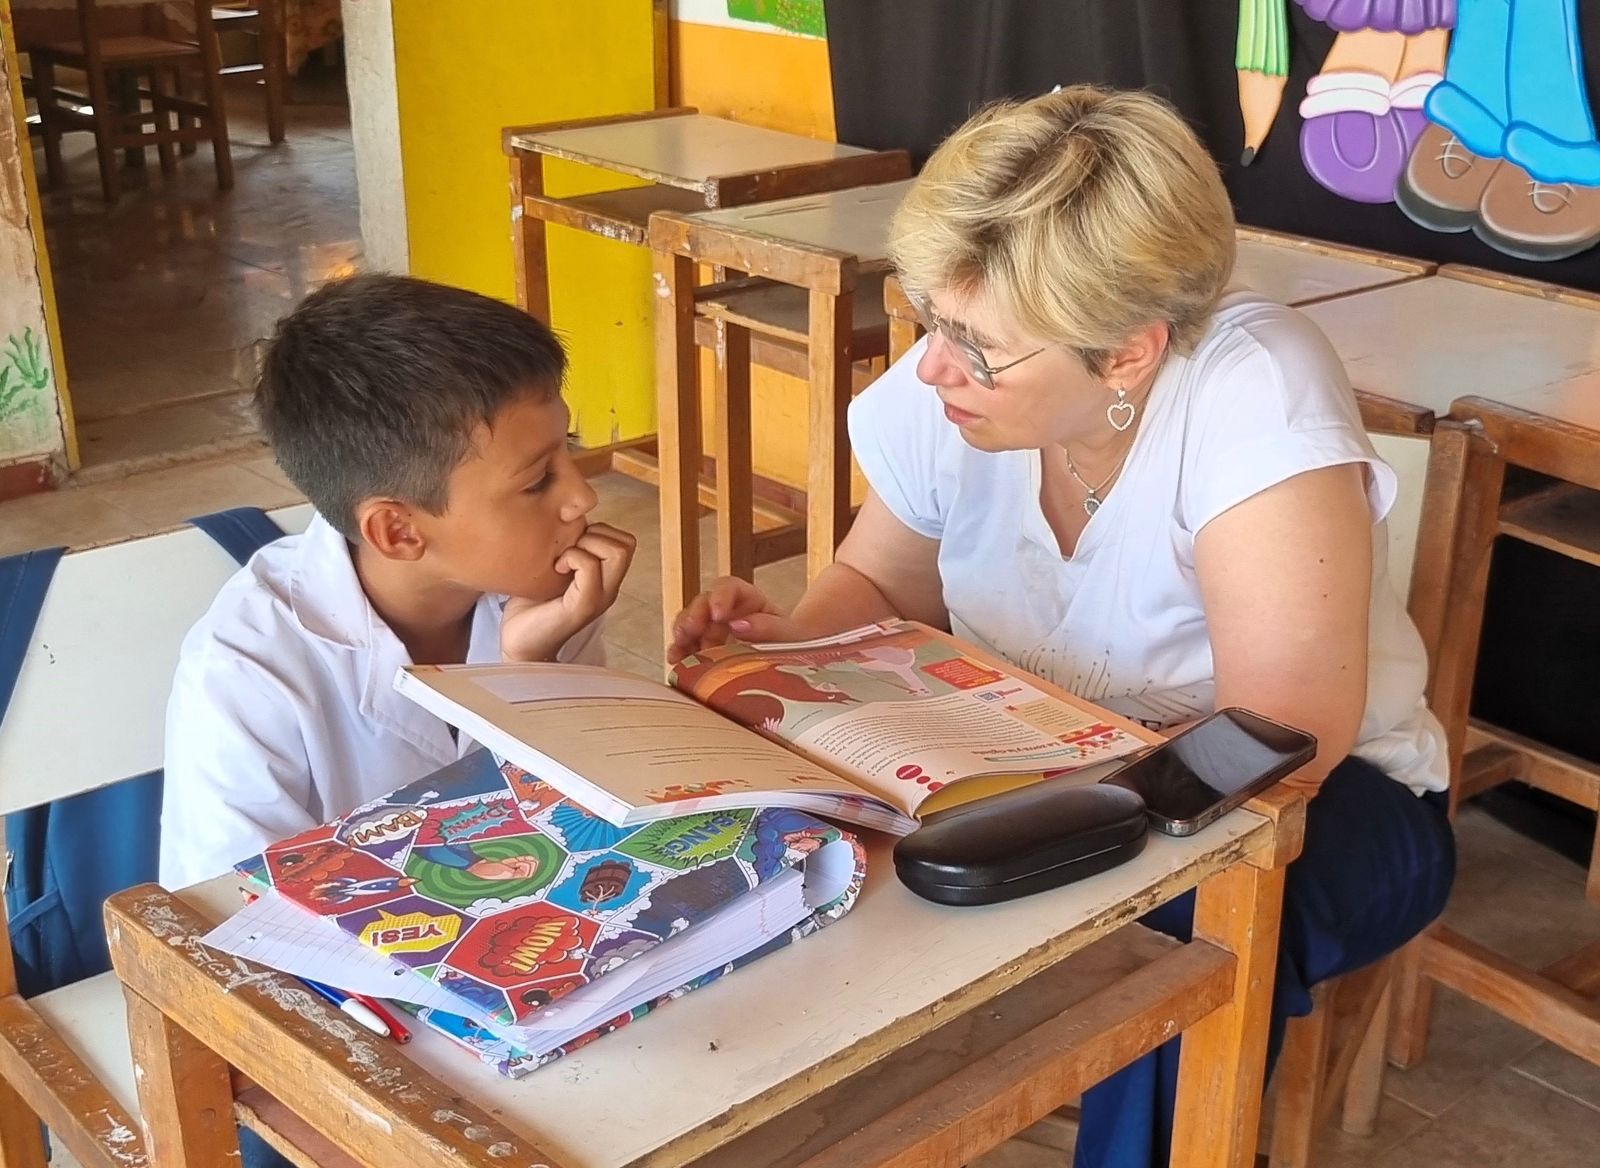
(874, 726)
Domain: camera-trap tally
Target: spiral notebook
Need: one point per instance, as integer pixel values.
(510, 919)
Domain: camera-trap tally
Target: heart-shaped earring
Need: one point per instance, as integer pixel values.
(1121, 412)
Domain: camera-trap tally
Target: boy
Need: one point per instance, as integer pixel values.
(425, 425)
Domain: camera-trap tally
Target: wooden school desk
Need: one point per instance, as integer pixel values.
(805, 260)
(1513, 369)
(1297, 271)
(692, 161)
(906, 1033)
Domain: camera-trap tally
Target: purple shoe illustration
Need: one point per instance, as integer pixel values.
(1359, 131)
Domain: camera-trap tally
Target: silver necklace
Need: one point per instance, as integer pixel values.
(1092, 499)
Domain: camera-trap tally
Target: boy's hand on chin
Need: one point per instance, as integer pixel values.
(535, 630)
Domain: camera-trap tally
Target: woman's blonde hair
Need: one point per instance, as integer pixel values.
(1086, 214)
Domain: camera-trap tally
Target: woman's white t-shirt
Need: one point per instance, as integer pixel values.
(1120, 622)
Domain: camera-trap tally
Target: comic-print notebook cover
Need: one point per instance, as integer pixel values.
(491, 885)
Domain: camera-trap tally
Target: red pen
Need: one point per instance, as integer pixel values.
(390, 1017)
(397, 1031)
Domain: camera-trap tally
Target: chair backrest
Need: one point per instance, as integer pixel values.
(89, 706)
(1409, 458)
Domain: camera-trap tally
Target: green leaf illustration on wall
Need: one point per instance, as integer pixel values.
(24, 374)
(800, 16)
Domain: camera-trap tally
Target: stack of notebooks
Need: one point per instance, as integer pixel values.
(620, 842)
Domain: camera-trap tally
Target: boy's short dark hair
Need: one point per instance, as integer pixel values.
(374, 386)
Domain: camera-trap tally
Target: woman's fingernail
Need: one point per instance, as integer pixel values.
(741, 625)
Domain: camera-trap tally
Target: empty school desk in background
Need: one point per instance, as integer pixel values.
(691, 161)
(1297, 271)
(1510, 370)
(907, 1033)
(813, 270)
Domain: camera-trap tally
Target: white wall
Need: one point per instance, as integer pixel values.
(375, 131)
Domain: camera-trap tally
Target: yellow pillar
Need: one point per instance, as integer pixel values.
(432, 85)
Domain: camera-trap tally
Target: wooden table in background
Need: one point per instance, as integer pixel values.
(691, 161)
(802, 262)
(1296, 271)
(907, 1033)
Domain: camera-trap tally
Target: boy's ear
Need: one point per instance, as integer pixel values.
(390, 528)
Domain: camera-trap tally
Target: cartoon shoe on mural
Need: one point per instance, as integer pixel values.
(1363, 111)
(1510, 153)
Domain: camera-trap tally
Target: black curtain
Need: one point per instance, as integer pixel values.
(907, 72)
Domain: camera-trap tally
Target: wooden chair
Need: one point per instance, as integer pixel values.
(263, 20)
(106, 61)
(1333, 1055)
(88, 711)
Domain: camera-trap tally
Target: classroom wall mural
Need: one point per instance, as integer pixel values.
(797, 16)
(1468, 115)
(29, 420)
(1455, 131)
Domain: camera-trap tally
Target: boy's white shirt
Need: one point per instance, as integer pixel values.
(283, 711)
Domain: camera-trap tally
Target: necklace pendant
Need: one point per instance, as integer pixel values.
(1091, 504)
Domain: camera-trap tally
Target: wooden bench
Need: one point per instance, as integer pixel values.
(89, 711)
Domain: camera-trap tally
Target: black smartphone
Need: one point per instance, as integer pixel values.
(1212, 767)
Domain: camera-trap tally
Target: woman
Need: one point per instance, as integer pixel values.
(1158, 495)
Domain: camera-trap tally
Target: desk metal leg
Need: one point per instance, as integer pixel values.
(185, 1093)
(678, 442)
(1222, 1072)
(828, 477)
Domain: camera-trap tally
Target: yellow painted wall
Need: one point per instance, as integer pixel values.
(466, 69)
(767, 79)
(782, 82)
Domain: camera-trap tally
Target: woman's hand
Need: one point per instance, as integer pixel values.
(730, 607)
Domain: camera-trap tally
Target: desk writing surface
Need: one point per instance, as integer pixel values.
(1293, 274)
(702, 1069)
(683, 151)
(1572, 402)
(1431, 341)
(853, 222)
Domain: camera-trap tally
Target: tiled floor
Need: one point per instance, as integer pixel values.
(164, 298)
(1488, 1094)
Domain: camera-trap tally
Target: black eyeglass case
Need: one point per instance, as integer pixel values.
(1021, 842)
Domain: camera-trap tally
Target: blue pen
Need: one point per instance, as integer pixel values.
(350, 1006)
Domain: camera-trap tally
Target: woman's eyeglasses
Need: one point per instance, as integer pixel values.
(971, 356)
